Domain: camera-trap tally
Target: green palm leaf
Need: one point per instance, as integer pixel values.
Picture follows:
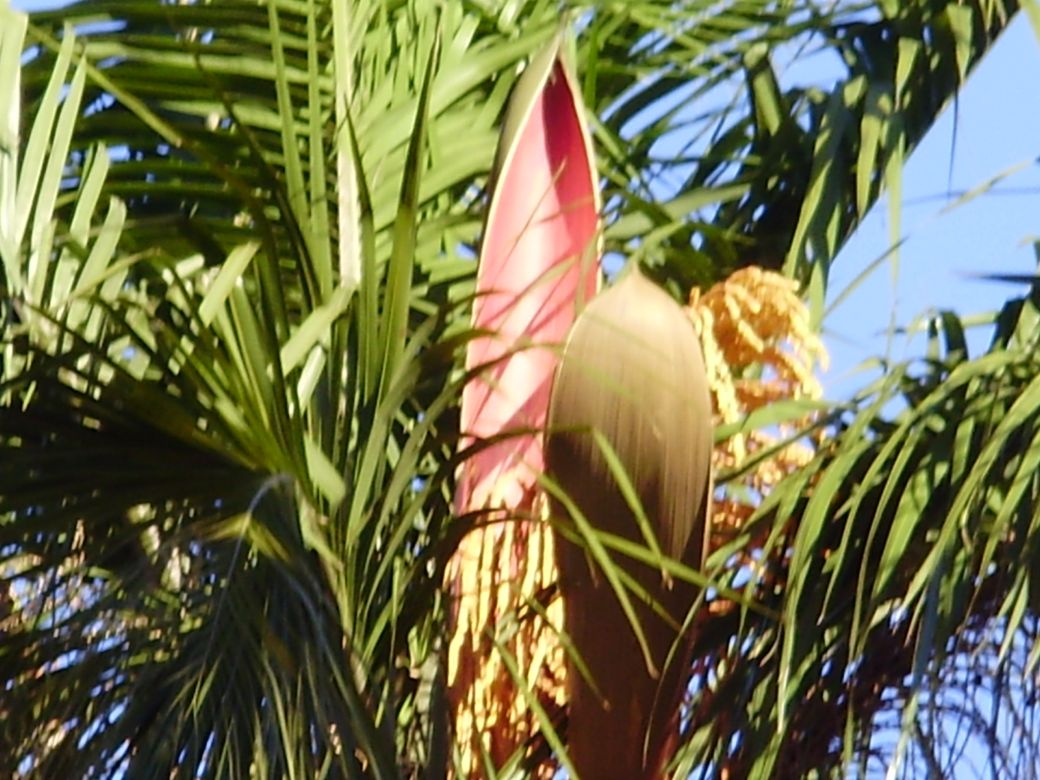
(236, 245)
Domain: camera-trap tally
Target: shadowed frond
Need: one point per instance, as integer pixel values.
(237, 244)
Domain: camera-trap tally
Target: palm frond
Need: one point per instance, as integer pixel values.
(897, 553)
(236, 246)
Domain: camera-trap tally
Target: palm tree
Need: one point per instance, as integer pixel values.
(237, 248)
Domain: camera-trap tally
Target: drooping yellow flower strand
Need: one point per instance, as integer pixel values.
(505, 638)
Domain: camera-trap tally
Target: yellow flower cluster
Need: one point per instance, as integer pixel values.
(506, 615)
(505, 648)
(759, 347)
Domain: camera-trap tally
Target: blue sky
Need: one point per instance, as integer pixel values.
(997, 122)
